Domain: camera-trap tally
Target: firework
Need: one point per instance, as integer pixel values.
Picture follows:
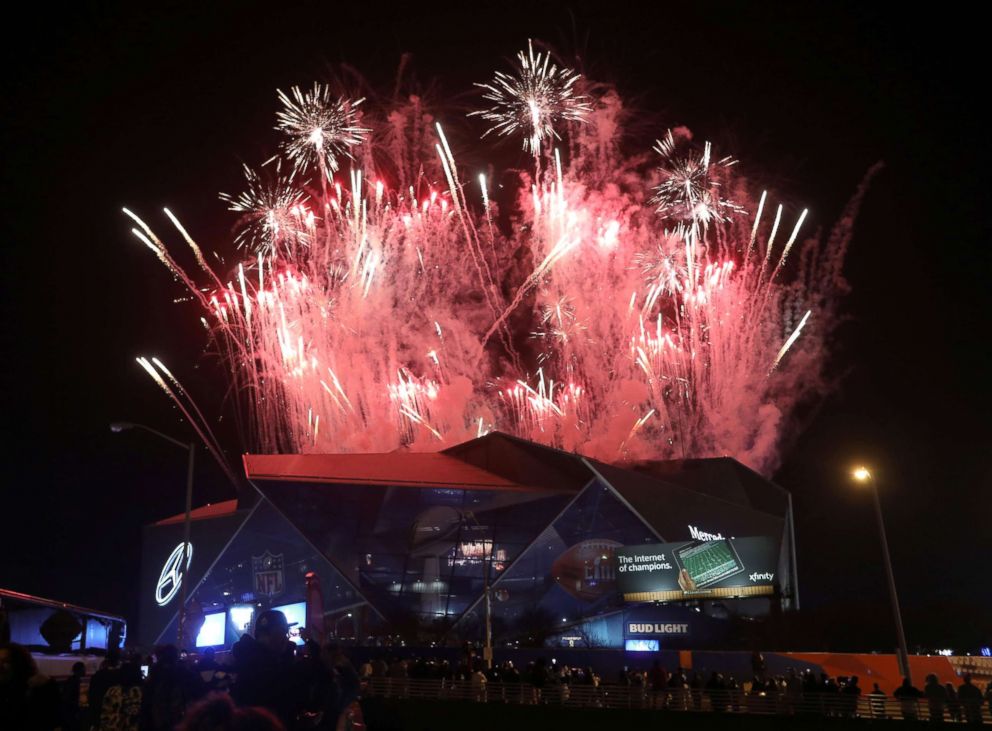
(369, 319)
(319, 127)
(534, 101)
(274, 211)
(690, 183)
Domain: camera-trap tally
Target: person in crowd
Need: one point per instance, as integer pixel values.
(106, 675)
(678, 686)
(936, 697)
(716, 690)
(365, 670)
(69, 690)
(850, 694)
(953, 705)
(696, 690)
(121, 706)
(29, 699)
(267, 673)
(830, 694)
(659, 684)
(793, 690)
(970, 699)
(217, 712)
(171, 688)
(908, 696)
(876, 701)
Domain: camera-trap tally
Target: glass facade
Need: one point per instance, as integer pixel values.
(417, 554)
(415, 559)
(568, 572)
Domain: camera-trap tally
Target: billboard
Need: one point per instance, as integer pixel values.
(698, 569)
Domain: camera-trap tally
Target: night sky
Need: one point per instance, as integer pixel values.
(113, 106)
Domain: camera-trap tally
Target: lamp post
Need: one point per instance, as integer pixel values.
(864, 476)
(486, 568)
(119, 426)
(337, 623)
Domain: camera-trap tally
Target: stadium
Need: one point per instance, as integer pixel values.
(571, 552)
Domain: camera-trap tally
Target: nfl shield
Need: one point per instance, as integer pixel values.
(268, 574)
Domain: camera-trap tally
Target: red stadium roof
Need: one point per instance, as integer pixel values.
(213, 510)
(413, 469)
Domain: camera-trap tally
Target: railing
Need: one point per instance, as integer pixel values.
(836, 705)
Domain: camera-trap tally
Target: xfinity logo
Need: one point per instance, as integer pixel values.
(657, 628)
(701, 535)
(761, 577)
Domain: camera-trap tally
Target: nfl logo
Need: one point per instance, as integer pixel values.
(268, 574)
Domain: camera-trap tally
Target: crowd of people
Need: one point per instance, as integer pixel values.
(266, 683)
(543, 681)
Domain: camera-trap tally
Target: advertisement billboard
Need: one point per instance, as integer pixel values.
(702, 568)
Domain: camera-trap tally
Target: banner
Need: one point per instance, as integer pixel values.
(697, 569)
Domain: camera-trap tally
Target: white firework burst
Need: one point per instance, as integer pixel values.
(689, 191)
(534, 100)
(273, 208)
(320, 128)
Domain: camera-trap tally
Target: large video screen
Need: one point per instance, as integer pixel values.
(212, 632)
(641, 645)
(296, 615)
(723, 567)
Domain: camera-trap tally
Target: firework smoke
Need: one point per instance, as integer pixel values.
(618, 309)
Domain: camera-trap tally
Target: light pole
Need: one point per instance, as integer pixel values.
(863, 475)
(486, 568)
(119, 426)
(337, 623)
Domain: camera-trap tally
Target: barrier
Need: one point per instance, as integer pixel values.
(835, 705)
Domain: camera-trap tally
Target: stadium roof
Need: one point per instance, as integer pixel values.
(211, 510)
(411, 469)
(499, 461)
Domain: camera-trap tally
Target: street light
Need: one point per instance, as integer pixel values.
(487, 566)
(119, 426)
(338, 622)
(863, 475)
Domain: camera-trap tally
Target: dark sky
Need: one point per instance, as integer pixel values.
(112, 106)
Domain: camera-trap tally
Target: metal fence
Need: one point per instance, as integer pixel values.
(837, 705)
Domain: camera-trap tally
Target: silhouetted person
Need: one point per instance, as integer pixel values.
(876, 701)
(909, 697)
(106, 675)
(29, 700)
(170, 689)
(970, 698)
(217, 712)
(268, 673)
(72, 719)
(851, 693)
(936, 697)
(122, 703)
(953, 706)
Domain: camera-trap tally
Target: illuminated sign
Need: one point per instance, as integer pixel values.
(708, 566)
(657, 628)
(268, 574)
(171, 576)
(701, 535)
